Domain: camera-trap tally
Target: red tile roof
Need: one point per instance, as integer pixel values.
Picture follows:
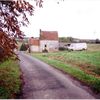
(48, 35)
(33, 41)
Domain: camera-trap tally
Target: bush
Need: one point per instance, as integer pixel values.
(97, 41)
(23, 47)
(62, 48)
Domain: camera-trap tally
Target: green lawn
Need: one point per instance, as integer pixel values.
(83, 65)
(9, 79)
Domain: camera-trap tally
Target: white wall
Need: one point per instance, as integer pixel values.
(51, 45)
(34, 48)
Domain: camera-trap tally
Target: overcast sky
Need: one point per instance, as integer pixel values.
(75, 18)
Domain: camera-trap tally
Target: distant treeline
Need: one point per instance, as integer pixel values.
(67, 40)
(76, 40)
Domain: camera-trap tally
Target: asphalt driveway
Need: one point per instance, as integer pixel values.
(45, 82)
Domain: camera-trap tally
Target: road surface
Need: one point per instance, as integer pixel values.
(45, 82)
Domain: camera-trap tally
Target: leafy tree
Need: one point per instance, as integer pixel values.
(70, 39)
(66, 39)
(23, 47)
(13, 14)
(63, 39)
(97, 41)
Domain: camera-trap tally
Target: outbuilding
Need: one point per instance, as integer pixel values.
(48, 41)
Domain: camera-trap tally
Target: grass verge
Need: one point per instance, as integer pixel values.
(76, 72)
(10, 81)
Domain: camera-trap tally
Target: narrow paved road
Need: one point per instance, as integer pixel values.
(44, 82)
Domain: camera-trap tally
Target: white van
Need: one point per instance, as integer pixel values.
(77, 46)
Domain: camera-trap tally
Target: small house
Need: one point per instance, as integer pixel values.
(48, 41)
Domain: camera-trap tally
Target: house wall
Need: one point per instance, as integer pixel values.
(34, 48)
(52, 45)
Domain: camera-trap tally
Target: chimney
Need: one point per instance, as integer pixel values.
(40, 30)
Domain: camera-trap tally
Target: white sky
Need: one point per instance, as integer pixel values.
(76, 18)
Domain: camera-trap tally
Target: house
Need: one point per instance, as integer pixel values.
(48, 40)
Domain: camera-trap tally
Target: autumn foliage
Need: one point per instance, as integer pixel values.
(13, 14)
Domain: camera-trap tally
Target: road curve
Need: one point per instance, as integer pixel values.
(44, 82)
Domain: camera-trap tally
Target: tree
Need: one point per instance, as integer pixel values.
(70, 39)
(63, 39)
(13, 14)
(97, 41)
(23, 47)
(66, 39)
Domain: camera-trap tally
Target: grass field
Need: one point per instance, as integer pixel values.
(9, 79)
(83, 65)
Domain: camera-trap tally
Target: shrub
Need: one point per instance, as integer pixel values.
(62, 48)
(23, 47)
